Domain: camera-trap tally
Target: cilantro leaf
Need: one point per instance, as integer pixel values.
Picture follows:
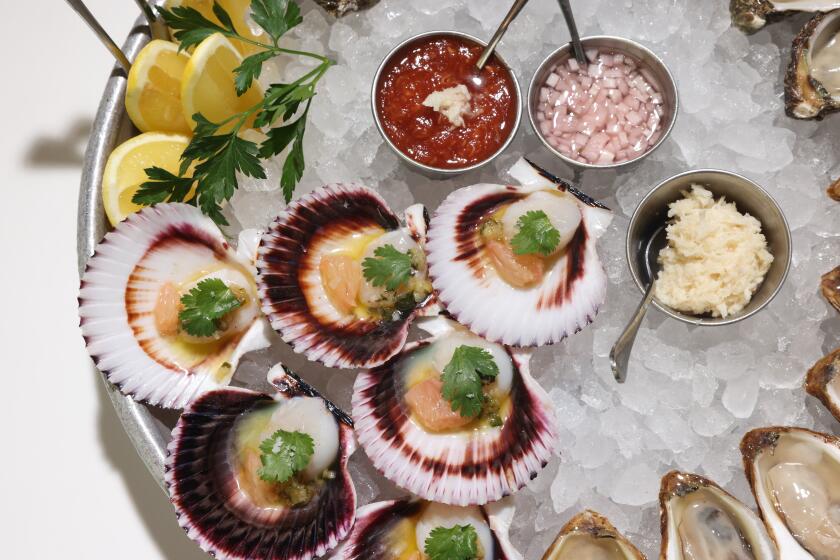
(456, 543)
(276, 17)
(205, 305)
(388, 267)
(463, 379)
(535, 235)
(285, 454)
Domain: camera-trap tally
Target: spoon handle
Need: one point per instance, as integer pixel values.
(577, 47)
(620, 353)
(156, 26)
(491, 46)
(100, 32)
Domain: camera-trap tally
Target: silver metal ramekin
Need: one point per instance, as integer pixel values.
(652, 212)
(437, 172)
(649, 60)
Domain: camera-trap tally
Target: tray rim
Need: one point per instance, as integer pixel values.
(91, 226)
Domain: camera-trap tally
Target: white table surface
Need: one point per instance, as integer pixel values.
(73, 486)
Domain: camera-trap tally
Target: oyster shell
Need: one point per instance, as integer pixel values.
(795, 477)
(752, 15)
(830, 287)
(823, 382)
(468, 463)
(812, 81)
(699, 519)
(340, 7)
(833, 190)
(340, 224)
(570, 284)
(221, 502)
(393, 529)
(590, 536)
(164, 249)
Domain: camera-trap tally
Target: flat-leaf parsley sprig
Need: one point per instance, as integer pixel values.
(217, 149)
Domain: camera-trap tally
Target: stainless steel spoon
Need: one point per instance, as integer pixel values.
(491, 46)
(577, 47)
(156, 25)
(100, 32)
(620, 353)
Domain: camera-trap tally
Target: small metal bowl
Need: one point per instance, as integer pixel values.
(648, 60)
(652, 212)
(437, 172)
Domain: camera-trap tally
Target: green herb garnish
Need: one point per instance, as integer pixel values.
(216, 147)
(205, 305)
(456, 543)
(388, 267)
(285, 454)
(463, 379)
(535, 235)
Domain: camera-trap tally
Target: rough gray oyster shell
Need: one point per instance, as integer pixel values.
(340, 7)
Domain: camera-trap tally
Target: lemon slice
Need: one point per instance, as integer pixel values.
(208, 86)
(238, 10)
(153, 92)
(125, 170)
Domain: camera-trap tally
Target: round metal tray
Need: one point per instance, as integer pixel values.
(146, 428)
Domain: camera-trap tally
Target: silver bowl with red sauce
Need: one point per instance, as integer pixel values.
(643, 58)
(420, 136)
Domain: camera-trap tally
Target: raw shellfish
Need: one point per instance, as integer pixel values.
(321, 284)
(131, 296)
(812, 81)
(399, 529)
(518, 264)
(823, 382)
(795, 477)
(590, 536)
(435, 421)
(700, 519)
(830, 287)
(752, 15)
(225, 481)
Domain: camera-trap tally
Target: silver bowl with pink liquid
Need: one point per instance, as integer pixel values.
(564, 133)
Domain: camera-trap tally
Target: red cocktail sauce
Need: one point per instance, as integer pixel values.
(432, 64)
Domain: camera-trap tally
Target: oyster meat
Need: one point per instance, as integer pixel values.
(340, 7)
(455, 418)
(233, 475)
(701, 521)
(752, 15)
(830, 287)
(131, 298)
(399, 529)
(590, 536)
(812, 81)
(517, 264)
(795, 477)
(823, 382)
(341, 278)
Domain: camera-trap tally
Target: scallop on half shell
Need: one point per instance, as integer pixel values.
(224, 500)
(314, 264)
(590, 536)
(812, 81)
(130, 299)
(501, 437)
(752, 15)
(795, 477)
(513, 293)
(699, 519)
(398, 529)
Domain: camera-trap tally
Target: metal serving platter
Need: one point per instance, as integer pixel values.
(147, 429)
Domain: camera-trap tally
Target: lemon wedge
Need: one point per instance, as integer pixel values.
(125, 169)
(208, 85)
(238, 11)
(153, 92)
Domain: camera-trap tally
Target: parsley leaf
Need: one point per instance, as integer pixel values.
(457, 543)
(535, 235)
(276, 17)
(250, 70)
(163, 186)
(388, 267)
(463, 379)
(285, 454)
(190, 28)
(205, 305)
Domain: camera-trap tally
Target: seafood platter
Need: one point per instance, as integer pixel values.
(362, 288)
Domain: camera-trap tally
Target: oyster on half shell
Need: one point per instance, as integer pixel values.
(752, 15)
(830, 287)
(340, 7)
(812, 81)
(700, 521)
(795, 477)
(590, 536)
(823, 382)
